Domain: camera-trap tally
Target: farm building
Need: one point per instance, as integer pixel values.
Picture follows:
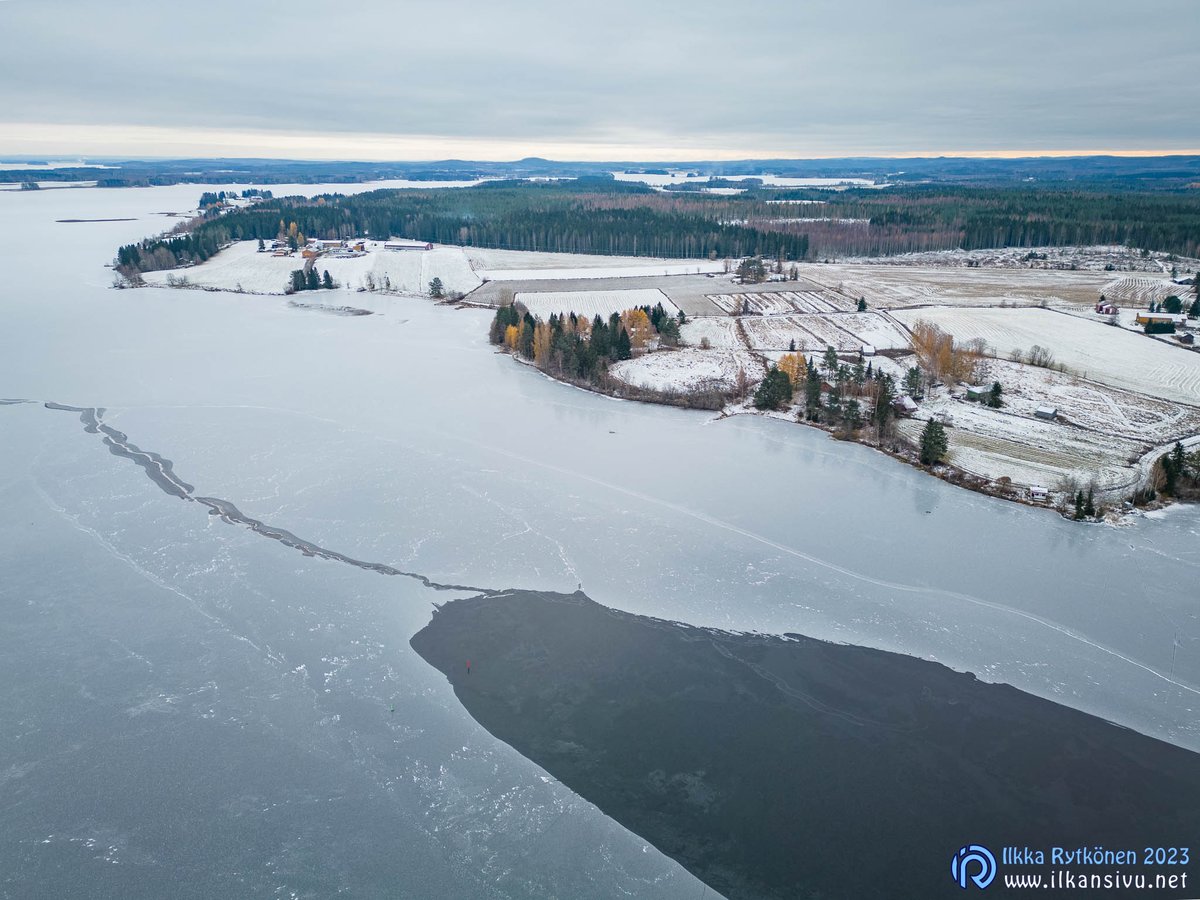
(904, 405)
(408, 245)
(977, 392)
(1038, 494)
(1149, 318)
(1046, 412)
(868, 350)
(1106, 309)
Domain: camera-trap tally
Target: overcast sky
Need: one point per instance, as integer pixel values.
(392, 79)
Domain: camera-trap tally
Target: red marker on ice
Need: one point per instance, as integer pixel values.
(468, 667)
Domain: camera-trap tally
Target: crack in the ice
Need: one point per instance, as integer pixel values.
(161, 471)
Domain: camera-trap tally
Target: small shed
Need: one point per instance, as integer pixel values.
(1046, 412)
(904, 405)
(977, 392)
(1186, 338)
(1038, 494)
(868, 349)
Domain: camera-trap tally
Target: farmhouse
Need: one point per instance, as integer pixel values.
(904, 405)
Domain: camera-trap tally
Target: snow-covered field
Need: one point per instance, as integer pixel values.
(1112, 356)
(885, 284)
(846, 332)
(721, 332)
(522, 265)
(771, 303)
(1101, 408)
(688, 369)
(1101, 257)
(1141, 290)
(996, 445)
(592, 303)
(242, 267)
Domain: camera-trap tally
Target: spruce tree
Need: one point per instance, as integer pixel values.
(934, 443)
(327, 281)
(311, 280)
(624, 349)
(774, 391)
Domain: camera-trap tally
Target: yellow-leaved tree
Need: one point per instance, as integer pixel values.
(637, 323)
(541, 344)
(794, 366)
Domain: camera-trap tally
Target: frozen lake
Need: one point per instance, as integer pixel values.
(197, 710)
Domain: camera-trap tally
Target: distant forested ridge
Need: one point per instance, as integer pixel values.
(602, 216)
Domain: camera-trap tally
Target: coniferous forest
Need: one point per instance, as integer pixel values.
(603, 216)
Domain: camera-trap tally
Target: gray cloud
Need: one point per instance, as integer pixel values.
(797, 78)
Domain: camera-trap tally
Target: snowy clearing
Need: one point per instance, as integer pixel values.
(1093, 350)
(592, 303)
(687, 370)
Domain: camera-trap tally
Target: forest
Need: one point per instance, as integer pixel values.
(601, 216)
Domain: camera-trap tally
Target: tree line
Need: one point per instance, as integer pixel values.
(598, 216)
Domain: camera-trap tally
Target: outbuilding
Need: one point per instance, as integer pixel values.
(977, 392)
(1038, 494)
(1046, 412)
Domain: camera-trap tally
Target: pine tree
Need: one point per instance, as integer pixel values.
(994, 398)
(436, 290)
(1089, 505)
(327, 281)
(862, 304)
(1078, 505)
(298, 282)
(311, 280)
